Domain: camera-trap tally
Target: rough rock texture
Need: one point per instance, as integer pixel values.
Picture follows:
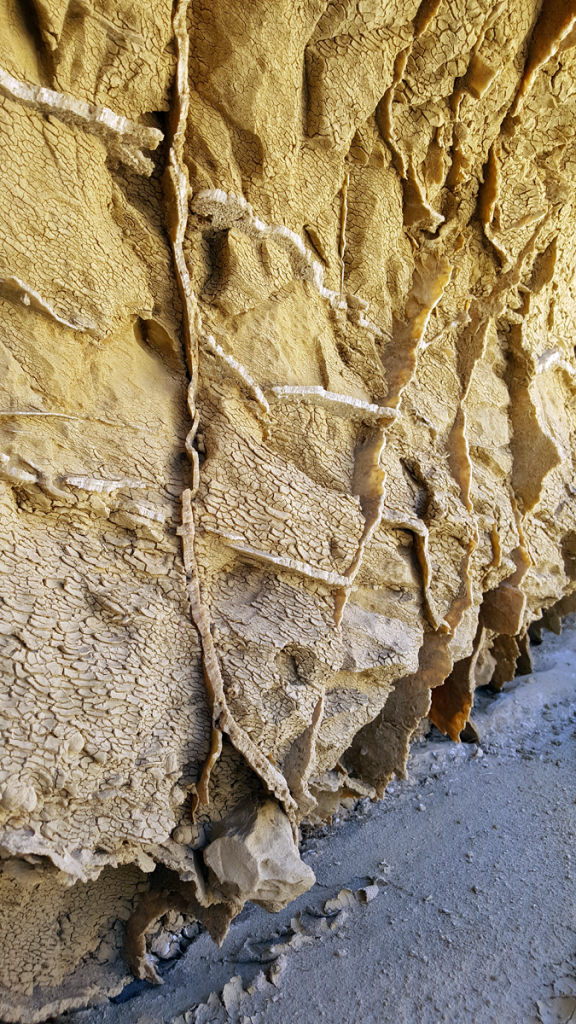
(286, 428)
(252, 856)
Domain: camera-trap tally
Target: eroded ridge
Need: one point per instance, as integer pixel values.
(222, 720)
(344, 405)
(17, 291)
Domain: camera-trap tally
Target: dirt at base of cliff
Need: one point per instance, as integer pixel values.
(452, 900)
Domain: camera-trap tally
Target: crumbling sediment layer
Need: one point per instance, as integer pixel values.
(287, 407)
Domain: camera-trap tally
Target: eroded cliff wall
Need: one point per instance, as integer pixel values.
(286, 434)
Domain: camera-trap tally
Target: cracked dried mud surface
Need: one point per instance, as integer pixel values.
(473, 915)
(287, 436)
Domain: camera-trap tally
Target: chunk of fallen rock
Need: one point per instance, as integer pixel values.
(254, 857)
(557, 1010)
(345, 898)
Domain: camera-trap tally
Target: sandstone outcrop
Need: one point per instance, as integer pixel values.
(253, 856)
(287, 412)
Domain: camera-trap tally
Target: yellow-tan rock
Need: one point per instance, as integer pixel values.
(254, 857)
(287, 385)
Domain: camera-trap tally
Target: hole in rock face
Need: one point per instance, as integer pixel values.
(337, 549)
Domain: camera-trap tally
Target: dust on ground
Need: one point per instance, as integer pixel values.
(451, 900)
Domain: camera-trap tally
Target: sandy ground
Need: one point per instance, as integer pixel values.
(458, 901)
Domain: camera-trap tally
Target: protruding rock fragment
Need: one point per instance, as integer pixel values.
(254, 857)
(18, 797)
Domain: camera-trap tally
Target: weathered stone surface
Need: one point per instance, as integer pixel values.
(254, 857)
(286, 419)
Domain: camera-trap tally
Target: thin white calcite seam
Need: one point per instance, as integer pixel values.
(229, 210)
(239, 370)
(14, 290)
(333, 401)
(92, 483)
(234, 540)
(124, 139)
(552, 359)
(7, 413)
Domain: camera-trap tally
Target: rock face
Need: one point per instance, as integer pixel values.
(287, 407)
